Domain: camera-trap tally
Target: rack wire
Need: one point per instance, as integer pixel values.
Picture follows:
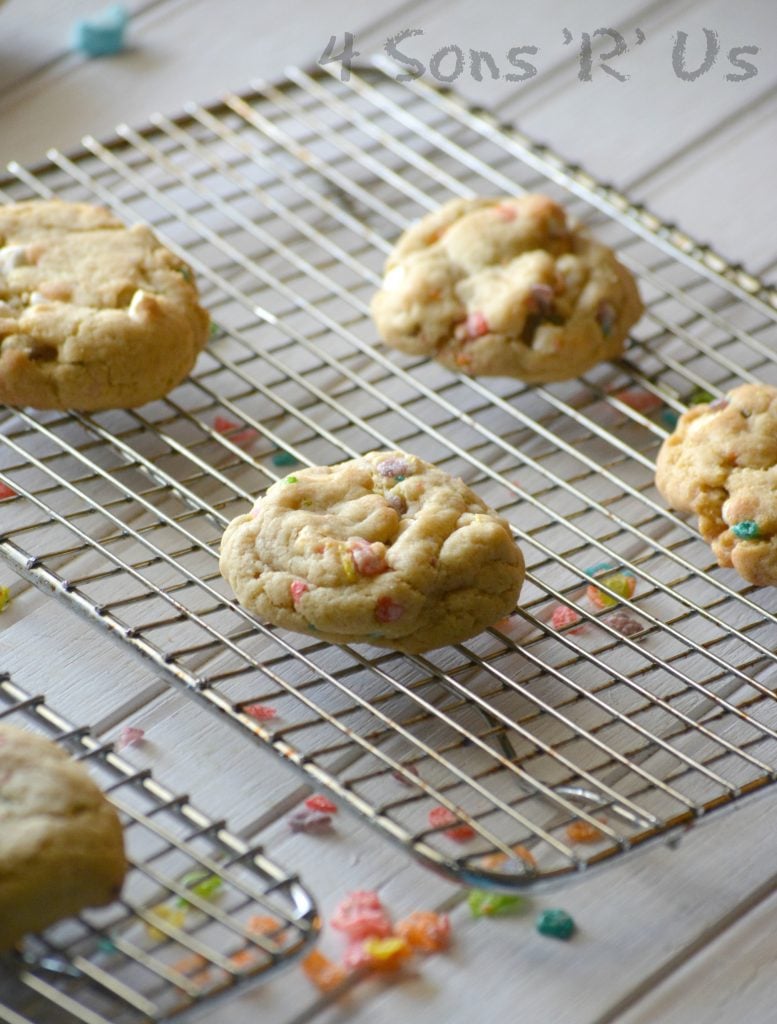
(201, 914)
(285, 200)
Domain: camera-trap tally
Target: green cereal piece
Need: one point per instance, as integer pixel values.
(700, 397)
(291, 480)
(484, 903)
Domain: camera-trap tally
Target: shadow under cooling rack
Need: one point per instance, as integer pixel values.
(285, 201)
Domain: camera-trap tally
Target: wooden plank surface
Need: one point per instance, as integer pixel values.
(667, 918)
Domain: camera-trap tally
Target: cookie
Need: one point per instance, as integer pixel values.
(385, 549)
(93, 315)
(721, 463)
(505, 287)
(61, 846)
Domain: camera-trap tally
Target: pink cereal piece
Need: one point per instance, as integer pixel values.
(261, 712)
(129, 736)
(398, 503)
(297, 588)
(638, 399)
(319, 802)
(476, 325)
(505, 211)
(369, 559)
(564, 616)
(241, 438)
(388, 610)
(356, 957)
(459, 832)
(394, 467)
(6, 492)
(315, 823)
(361, 915)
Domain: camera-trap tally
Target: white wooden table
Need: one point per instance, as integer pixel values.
(669, 935)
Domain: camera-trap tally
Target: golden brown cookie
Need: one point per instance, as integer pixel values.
(61, 846)
(93, 315)
(506, 287)
(385, 549)
(721, 463)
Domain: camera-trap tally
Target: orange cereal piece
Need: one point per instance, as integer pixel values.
(262, 924)
(583, 832)
(323, 972)
(425, 930)
(243, 958)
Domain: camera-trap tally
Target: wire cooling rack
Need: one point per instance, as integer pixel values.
(201, 913)
(285, 200)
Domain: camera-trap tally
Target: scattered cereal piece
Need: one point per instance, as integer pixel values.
(746, 530)
(386, 954)
(102, 34)
(214, 329)
(319, 802)
(388, 610)
(425, 930)
(583, 832)
(297, 588)
(175, 916)
(6, 492)
(282, 458)
(638, 399)
(624, 623)
(261, 712)
(483, 903)
(623, 583)
(459, 832)
(700, 397)
(356, 957)
(242, 437)
(291, 480)
(564, 616)
(556, 923)
(5, 598)
(361, 915)
(412, 768)
(263, 924)
(669, 417)
(324, 974)
(244, 958)
(599, 567)
(312, 822)
(129, 736)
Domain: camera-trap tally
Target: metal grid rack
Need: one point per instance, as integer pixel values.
(167, 946)
(285, 201)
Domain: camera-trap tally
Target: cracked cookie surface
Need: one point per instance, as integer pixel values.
(385, 549)
(505, 287)
(721, 463)
(61, 845)
(93, 314)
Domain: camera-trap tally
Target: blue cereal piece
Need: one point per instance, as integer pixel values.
(558, 924)
(746, 530)
(282, 458)
(102, 34)
(669, 417)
